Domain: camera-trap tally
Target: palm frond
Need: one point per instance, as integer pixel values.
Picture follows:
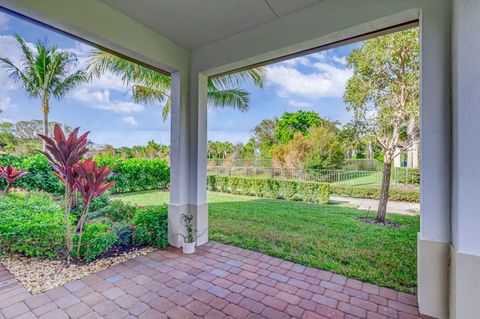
(148, 94)
(256, 75)
(69, 83)
(149, 86)
(20, 77)
(29, 59)
(236, 98)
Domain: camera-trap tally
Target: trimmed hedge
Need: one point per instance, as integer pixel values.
(413, 176)
(270, 188)
(138, 174)
(374, 193)
(134, 174)
(39, 175)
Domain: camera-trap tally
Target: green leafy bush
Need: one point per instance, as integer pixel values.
(151, 227)
(99, 203)
(32, 225)
(39, 175)
(97, 238)
(271, 188)
(124, 233)
(136, 174)
(409, 176)
(118, 211)
(374, 193)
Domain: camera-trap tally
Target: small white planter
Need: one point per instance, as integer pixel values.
(189, 248)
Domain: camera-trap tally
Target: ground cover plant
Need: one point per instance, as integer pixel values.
(327, 236)
(32, 225)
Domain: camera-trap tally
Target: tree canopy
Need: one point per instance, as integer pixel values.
(44, 72)
(383, 94)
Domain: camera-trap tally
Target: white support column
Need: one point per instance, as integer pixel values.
(179, 180)
(198, 206)
(465, 249)
(188, 156)
(435, 113)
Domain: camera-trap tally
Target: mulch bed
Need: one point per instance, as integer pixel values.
(39, 275)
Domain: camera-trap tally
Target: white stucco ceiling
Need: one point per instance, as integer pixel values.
(194, 23)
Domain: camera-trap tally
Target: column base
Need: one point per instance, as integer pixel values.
(432, 274)
(176, 227)
(464, 285)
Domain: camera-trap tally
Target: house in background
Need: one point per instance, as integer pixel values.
(192, 40)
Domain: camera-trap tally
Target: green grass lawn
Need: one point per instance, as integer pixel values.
(329, 236)
(365, 179)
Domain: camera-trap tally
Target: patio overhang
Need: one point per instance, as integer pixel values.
(193, 40)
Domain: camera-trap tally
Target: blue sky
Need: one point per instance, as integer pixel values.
(104, 106)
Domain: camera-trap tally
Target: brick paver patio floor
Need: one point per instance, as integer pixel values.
(219, 281)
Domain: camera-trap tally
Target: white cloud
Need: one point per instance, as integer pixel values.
(9, 48)
(303, 60)
(299, 104)
(130, 120)
(340, 60)
(4, 20)
(100, 99)
(324, 78)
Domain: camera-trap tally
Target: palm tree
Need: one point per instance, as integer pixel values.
(149, 86)
(45, 72)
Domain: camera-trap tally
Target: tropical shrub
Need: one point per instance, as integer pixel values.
(118, 211)
(271, 188)
(137, 174)
(124, 232)
(10, 174)
(97, 238)
(151, 227)
(374, 193)
(31, 224)
(39, 176)
(91, 182)
(99, 203)
(63, 153)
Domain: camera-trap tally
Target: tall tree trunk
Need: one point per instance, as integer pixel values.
(45, 110)
(382, 205)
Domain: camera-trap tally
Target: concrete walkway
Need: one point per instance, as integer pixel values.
(405, 208)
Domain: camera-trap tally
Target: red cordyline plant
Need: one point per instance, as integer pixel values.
(10, 174)
(91, 182)
(63, 153)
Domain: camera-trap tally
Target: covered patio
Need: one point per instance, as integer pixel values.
(192, 40)
(219, 281)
